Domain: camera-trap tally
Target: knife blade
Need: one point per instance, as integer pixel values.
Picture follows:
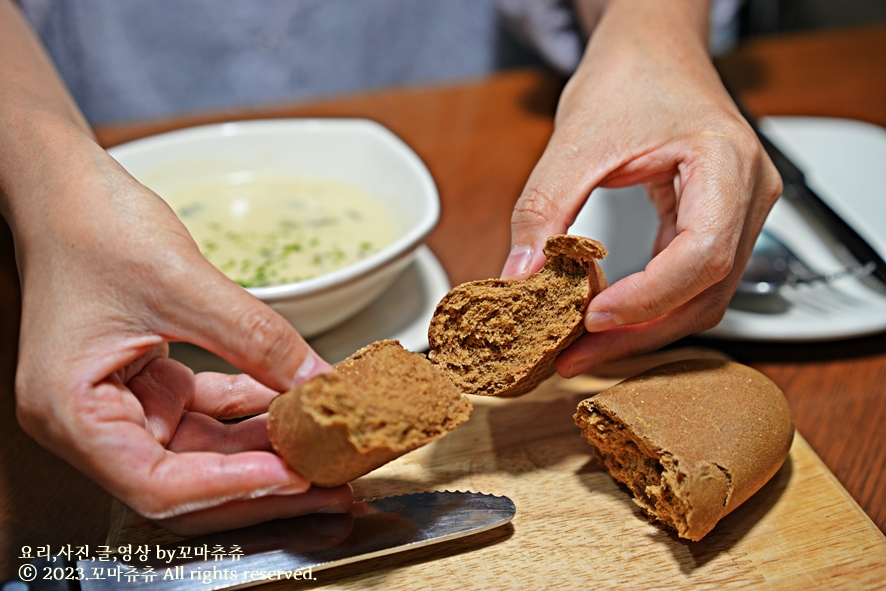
(295, 549)
(847, 244)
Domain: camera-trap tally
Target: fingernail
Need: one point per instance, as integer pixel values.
(360, 508)
(577, 368)
(336, 508)
(600, 321)
(295, 487)
(312, 365)
(518, 261)
(569, 372)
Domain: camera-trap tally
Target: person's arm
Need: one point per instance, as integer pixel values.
(109, 276)
(646, 106)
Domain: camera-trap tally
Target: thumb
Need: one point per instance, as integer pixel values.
(554, 194)
(220, 316)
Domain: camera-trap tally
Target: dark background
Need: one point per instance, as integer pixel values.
(769, 17)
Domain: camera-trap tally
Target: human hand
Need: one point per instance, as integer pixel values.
(646, 106)
(109, 277)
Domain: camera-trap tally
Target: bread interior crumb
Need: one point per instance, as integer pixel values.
(391, 399)
(494, 333)
(653, 478)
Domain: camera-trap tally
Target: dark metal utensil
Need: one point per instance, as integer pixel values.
(294, 549)
(847, 244)
(773, 265)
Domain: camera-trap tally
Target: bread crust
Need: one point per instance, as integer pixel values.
(379, 404)
(692, 439)
(501, 337)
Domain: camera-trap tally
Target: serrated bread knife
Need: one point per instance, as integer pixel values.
(296, 549)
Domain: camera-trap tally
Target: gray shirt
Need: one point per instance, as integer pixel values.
(137, 59)
(141, 59)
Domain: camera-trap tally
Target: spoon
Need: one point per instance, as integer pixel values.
(773, 264)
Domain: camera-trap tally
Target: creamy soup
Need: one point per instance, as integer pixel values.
(263, 231)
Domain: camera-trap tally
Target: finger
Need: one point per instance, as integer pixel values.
(135, 366)
(664, 198)
(245, 513)
(116, 450)
(187, 482)
(199, 432)
(573, 164)
(164, 388)
(226, 396)
(211, 311)
(702, 253)
(554, 193)
(593, 349)
(680, 272)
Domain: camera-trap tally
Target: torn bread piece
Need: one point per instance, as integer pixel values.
(692, 440)
(380, 403)
(501, 337)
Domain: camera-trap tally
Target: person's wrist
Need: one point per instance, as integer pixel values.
(46, 163)
(678, 21)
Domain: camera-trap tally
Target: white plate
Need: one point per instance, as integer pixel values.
(844, 163)
(403, 312)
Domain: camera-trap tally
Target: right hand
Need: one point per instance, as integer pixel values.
(646, 106)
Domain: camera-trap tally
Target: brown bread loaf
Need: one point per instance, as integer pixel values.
(501, 337)
(380, 403)
(692, 439)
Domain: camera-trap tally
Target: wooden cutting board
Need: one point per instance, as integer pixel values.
(576, 528)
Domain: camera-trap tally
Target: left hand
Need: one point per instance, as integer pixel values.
(186, 414)
(109, 276)
(646, 106)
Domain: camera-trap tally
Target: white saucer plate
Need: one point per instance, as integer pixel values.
(844, 164)
(402, 313)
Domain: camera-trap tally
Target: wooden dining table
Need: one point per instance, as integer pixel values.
(480, 139)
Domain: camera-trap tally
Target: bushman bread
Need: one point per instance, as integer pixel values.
(378, 404)
(692, 440)
(501, 337)
(496, 337)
